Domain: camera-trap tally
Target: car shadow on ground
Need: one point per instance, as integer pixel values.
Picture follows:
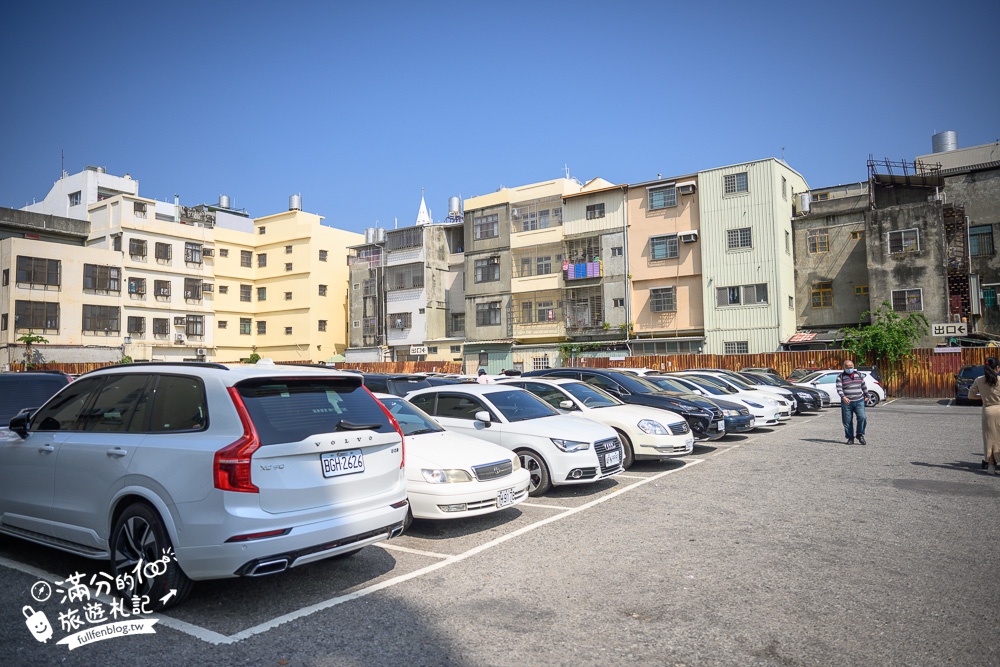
(763, 431)
(437, 529)
(962, 466)
(730, 438)
(822, 440)
(657, 466)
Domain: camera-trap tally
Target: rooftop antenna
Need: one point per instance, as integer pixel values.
(782, 153)
(566, 169)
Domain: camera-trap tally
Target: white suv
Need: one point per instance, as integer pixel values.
(553, 448)
(239, 470)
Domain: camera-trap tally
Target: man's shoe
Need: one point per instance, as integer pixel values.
(861, 440)
(850, 441)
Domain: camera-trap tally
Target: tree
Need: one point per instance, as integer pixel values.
(888, 340)
(30, 355)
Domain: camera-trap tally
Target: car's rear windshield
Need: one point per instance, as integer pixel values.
(971, 372)
(403, 386)
(290, 410)
(19, 391)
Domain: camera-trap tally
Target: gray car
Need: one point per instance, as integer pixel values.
(235, 470)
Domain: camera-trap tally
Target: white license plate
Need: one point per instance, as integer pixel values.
(689, 443)
(347, 462)
(612, 458)
(721, 425)
(505, 497)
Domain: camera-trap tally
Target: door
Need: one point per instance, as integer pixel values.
(457, 412)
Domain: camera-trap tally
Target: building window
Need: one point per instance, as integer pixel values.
(595, 211)
(736, 347)
(858, 235)
(981, 241)
(137, 286)
(223, 252)
(161, 326)
(223, 289)
(102, 278)
(246, 258)
(38, 271)
(288, 296)
(907, 300)
(788, 242)
(262, 230)
(408, 276)
(6, 277)
(457, 323)
(101, 319)
(662, 197)
(356, 324)
(139, 209)
(75, 198)
(261, 259)
(136, 325)
(739, 238)
(861, 290)
(486, 226)
(246, 292)
(488, 314)
(36, 316)
(261, 327)
(412, 237)
(322, 255)
(192, 253)
(822, 295)
(618, 303)
(791, 303)
(288, 250)
(192, 288)
(818, 241)
(288, 266)
(456, 349)
(540, 363)
(322, 325)
(137, 247)
(487, 270)
(905, 240)
(322, 290)
(223, 324)
(663, 300)
(194, 325)
(369, 327)
(617, 251)
(484, 359)
(3, 321)
(784, 188)
(990, 297)
(288, 331)
(432, 349)
(735, 183)
(245, 326)
(663, 247)
(400, 320)
(116, 242)
(163, 251)
(746, 295)
(262, 294)
(161, 288)
(820, 196)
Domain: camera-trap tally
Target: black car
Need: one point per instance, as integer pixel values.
(963, 380)
(809, 399)
(27, 390)
(392, 383)
(738, 417)
(706, 419)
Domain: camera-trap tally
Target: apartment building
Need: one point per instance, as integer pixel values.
(664, 255)
(748, 275)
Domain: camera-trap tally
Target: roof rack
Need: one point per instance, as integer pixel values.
(198, 364)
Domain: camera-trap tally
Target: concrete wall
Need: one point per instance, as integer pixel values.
(979, 192)
(51, 228)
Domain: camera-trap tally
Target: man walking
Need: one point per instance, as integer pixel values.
(851, 388)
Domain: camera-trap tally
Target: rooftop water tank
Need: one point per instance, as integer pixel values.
(369, 235)
(454, 206)
(224, 201)
(380, 235)
(295, 203)
(804, 201)
(942, 142)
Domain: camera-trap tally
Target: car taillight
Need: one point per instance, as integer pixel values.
(232, 462)
(395, 425)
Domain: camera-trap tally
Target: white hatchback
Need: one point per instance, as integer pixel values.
(553, 449)
(450, 475)
(826, 381)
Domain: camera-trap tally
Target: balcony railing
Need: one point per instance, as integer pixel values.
(583, 270)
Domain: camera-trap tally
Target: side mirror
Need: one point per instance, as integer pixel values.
(19, 422)
(567, 405)
(483, 416)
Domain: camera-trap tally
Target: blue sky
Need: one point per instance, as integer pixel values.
(359, 106)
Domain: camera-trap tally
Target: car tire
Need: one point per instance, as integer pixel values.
(539, 479)
(628, 451)
(871, 399)
(408, 520)
(139, 534)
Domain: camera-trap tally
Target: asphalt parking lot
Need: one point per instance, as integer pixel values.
(781, 547)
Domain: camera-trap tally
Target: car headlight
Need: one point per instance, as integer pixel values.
(753, 405)
(517, 463)
(438, 476)
(802, 394)
(652, 427)
(731, 413)
(570, 445)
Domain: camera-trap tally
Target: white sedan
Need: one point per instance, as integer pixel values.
(645, 432)
(768, 409)
(827, 381)
(450, 475)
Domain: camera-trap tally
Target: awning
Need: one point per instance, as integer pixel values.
(683, 183)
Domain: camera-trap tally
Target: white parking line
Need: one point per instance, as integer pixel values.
(544, 507)
(624, 476)
(395, 547)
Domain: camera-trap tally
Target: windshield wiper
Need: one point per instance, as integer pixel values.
(344, 425)
(423, 431)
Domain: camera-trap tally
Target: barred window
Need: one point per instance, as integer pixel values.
(246, 292)
(137, 286)
(400, 320)
(246, 258)
(322, 255)
(137, 247)
(907, 300)
(487, 270)
(101, 319)
(261, 259)
(822, 295)
(288, 250)
(861, 290)
(261, 327)
(136, 325)
(102, 278)
(223, 324)
(488, 314)
(223, 252)
(736, 347)
(262, 294)
(36, 316)
(192, 288)
(536, 214)
(905, 240)
(486, 226)
(457, 323)
(818, 240)
(245, 323)
(369, 326)
(194, 325)
(540, 363)
(288, 331)
(664, 197)
(663, 300)
(223, 289)
(739, 238)
(38, 271)
(161, 326)
(161, 288)
(595, 211)
(734, 183)
(192, 253)
(411, 237)
(322, 290)
(322, 325)
(981, 241)
(407, 276)
(163, 251)
(537, 260)
(663, 247)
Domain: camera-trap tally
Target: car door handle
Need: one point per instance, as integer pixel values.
(117, 452)
(46, 449)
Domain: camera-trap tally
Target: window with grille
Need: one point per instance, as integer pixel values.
(161, 326)
(137, 247)
(223, 252)
(163, 251)
(288, 331)
(245, 323)
(455, 349)
(540, 363)
(262, 230)
(408, 276)
(101, 319)
(246, 258)
(288, 266)
(288, 296)
(905, 240)
(262, 294)
(137, 286)
(322, 255)
(739, 238)
(663, 300)
(664, 197)
(907, 300)
(136, 325)
(747, 295)
(861, 290)
(735, 183)
(38, 271)
(161, 288)
(486, 226)
(412, 237)
(400, 320)
(818, 241)
(261, 259)
(663, 247)
(457, 323)
(261, 327)
(223, 324)
(990, 297)
(788, 243)
(981, 241)
(858, 235)
(288, 250)
(192, 253)
(822, 295)
(487, 270)
(322, 325)
(102, 278)
(537, 260)
(369, 326)
(736, 347)
(322, 290)
(246, 292)
(595, 211)
(223, 289)
(192, 288)
(536, 214)
(36, 316)
(488, 314)
(194, 325)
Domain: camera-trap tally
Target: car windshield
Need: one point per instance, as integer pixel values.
(412, 420)
(761, 379)
(971, 372)
(517, 405)
(589, 395)
(715, 385)
(670, 384)
(810, 377)
(636, 384)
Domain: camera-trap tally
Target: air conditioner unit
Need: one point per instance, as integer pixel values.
(164, 291)
(207, 287)
(180, 321)
(201, 352)
(187, 294)
(207, 252)
(685, 189)
(179, 339)
(688, 237)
